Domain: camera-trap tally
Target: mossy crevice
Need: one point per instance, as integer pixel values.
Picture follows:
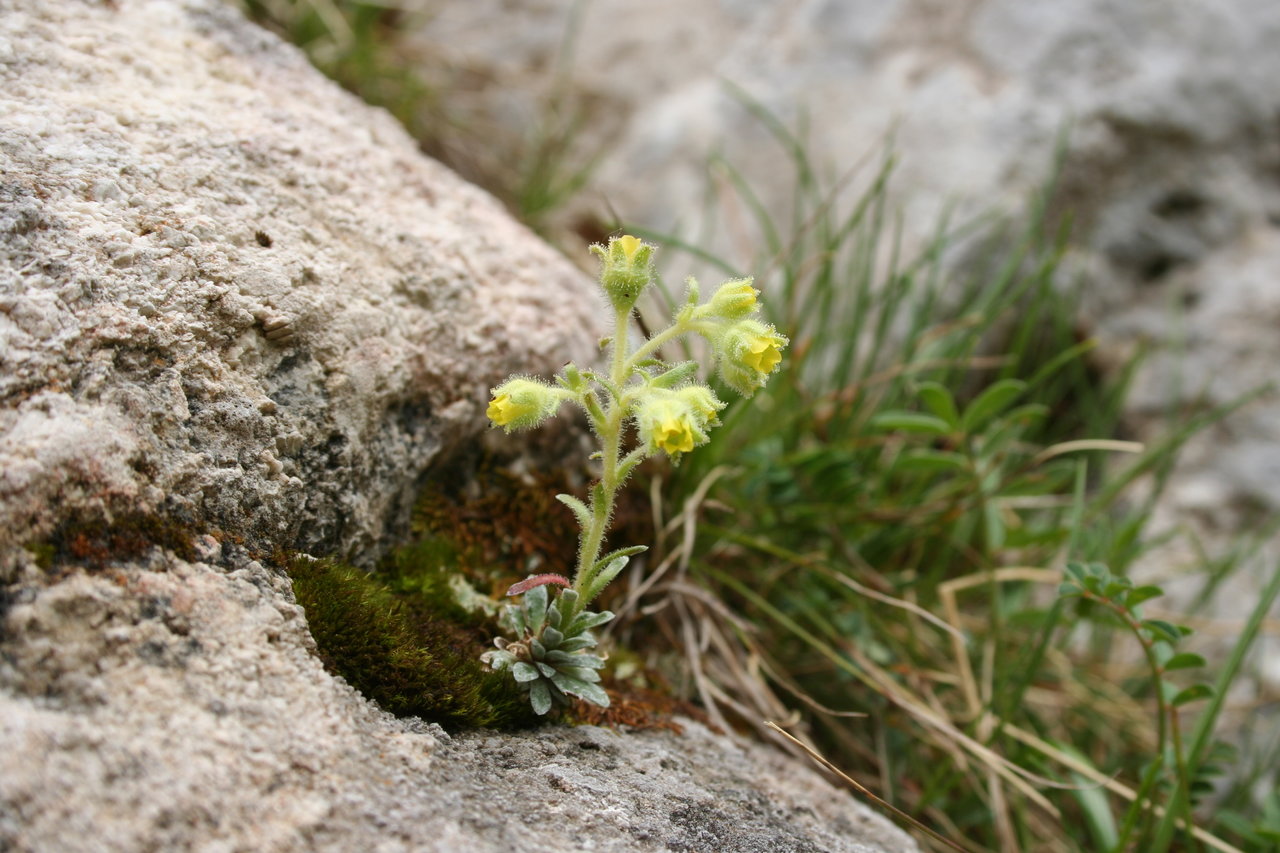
(414, 651)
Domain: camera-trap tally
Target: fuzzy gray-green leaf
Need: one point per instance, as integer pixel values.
(540, 697)
(592, 693)
(587, 619)
(545, 668)
(535, 608)
(523, 671)
(582, 641)
(581, 673)
(580, 510)
(551, 638)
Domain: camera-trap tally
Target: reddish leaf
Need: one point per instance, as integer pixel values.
(537, 580)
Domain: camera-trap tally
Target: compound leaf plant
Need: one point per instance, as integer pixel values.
(643, 406)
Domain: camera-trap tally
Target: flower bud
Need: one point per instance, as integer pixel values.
(626, 269)
(733, 300)
(703, 402)
(668, 423)
(749, 351)
(521, 403)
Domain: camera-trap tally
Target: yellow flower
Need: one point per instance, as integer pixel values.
(749, 351)
(626, 268)
(674, 435)
(762, 354)
(669, 422)
(520, 403)
(629, 245)
(503, 411)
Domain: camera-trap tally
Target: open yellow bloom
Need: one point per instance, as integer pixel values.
(762, 353)
(674, 435)
(669, 422)
(749, 352)
(502, 410)
(520, 403)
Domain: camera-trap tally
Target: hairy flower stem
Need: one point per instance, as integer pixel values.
(610, 431)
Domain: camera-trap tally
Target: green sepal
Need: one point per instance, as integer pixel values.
(675, 376)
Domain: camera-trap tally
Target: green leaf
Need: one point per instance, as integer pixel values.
(1068, 589)
(604, 576)
(1191, 694)
(938, 399)
(1137, 595)
(573, 644)
(535, 608)
(1076, 570)
(1162, 630)
(1183, 660)
(929, 461)
(990, 403)
(580, 510)
(540, 697)
(545, 668)
(523, 671)
(629, 551)
(551, 638)
(578, 659)
(582, 673)
(592, 693)
(901, 421)
(586, 620)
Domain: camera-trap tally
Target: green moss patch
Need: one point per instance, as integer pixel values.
(414, 651)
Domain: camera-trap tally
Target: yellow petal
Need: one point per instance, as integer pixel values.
(501, 410)
(762, 355)
(630, 245)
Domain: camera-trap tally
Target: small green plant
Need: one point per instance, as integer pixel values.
(669, 412)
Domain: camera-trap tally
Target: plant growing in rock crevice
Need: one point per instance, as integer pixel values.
(667, 410)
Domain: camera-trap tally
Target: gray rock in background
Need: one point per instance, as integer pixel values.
(1171, 174)
(236, 298)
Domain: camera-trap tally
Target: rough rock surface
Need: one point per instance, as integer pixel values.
(236, 299)
(233, 295)
(175, 705)
(1172, 171)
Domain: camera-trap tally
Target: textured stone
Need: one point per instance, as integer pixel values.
(234, 299)
(232, 294)
(174, 705)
